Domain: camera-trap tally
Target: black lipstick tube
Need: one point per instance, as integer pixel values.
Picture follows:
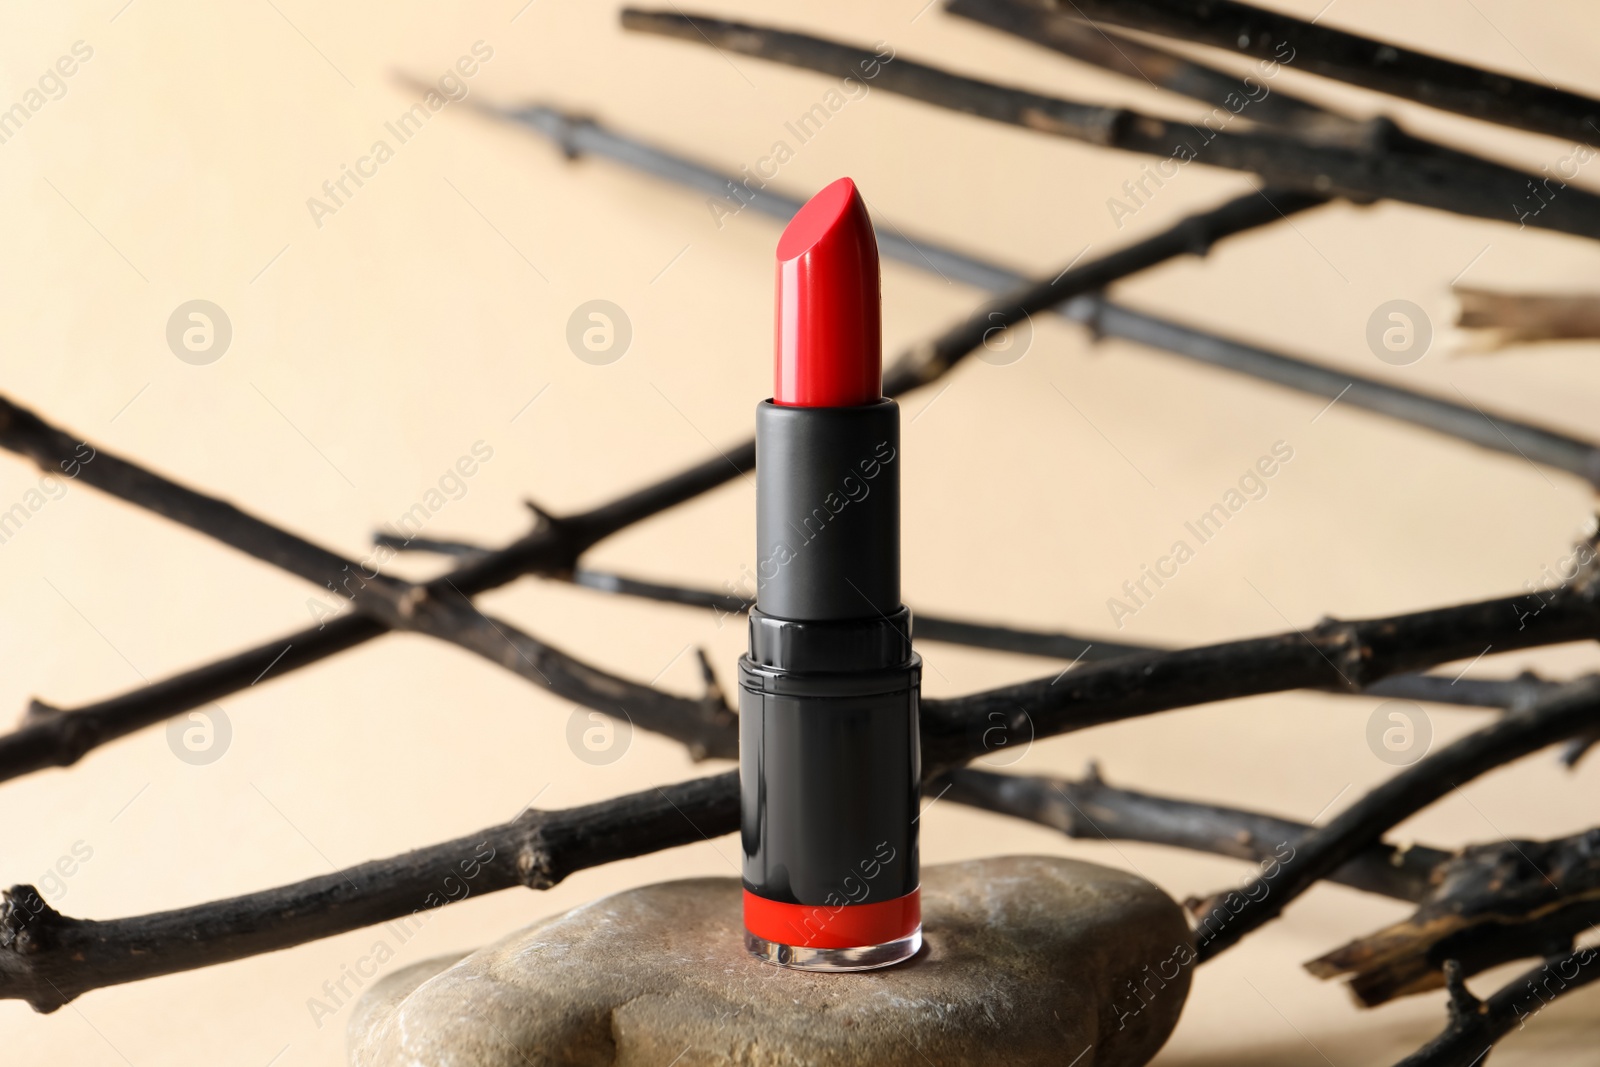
(828, 746)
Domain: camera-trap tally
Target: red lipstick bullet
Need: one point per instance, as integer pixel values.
(829, 343)
(829, 761)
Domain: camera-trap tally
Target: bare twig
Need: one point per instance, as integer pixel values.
(1132, 58)
(1491, 904)
(925, 627)
(49, 959)
(1193, 235)
(1338, 655)
(1224, 918)
(1516, 318)
(1578, 747)
(1463, 422)
(1436, 689)
(1380, 163)
(1518, 692)
(438, 610)
(1475, 1025)
(56, 737)
(1441, 83)
(1090, 809)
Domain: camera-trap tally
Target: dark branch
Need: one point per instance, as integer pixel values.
(438, 610)
(1131, 58)
(49, 959)
(1435, 689)
(1091, 810)
(1490, 905)
(51, 737)
(1347, 57)
(1333, 655)
(1521, 691)
(1380, 163)
(1464, 422)
(1475, 1025)
(1226, 917)
(1193, 235)
(925, 627)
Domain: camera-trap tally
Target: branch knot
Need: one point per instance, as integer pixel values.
(25, 920)
(1340, 642)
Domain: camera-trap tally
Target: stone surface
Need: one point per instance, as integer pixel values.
(1028, 960)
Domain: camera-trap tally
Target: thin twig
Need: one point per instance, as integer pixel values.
(49, 959)
(1146, 63)
(1475, 1025)
(1435, 689)
(1091, 810)
(1442, 83)
(1464, 422)
(925, 627)
(438, 610)
(1382, 162)
(1194, 235)
(1334, 654)
(1223, 919)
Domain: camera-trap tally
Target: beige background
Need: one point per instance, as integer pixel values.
(370, 353)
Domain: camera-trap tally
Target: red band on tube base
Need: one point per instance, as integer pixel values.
(833, 926)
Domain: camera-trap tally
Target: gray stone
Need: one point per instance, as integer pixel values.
(1028, 960)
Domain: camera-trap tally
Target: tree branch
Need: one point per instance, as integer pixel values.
(1133, 58)
(1461, 692)
(1381, 163)
(1091, 810)
(1489, 905)
(442, 611)
(925, 627)
(49, 959)
(1223, 919)
(1475, 1025)
(1192, 235)
(1463, 422)
(1332, 655)
(1348, 57)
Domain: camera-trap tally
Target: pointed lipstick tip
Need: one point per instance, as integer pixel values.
(820, 215)
(829, 332)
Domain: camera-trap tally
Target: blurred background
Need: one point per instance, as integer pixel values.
(426, 317)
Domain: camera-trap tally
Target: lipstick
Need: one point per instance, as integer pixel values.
(829, 763)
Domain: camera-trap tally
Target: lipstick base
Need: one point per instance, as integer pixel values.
(860, 958)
